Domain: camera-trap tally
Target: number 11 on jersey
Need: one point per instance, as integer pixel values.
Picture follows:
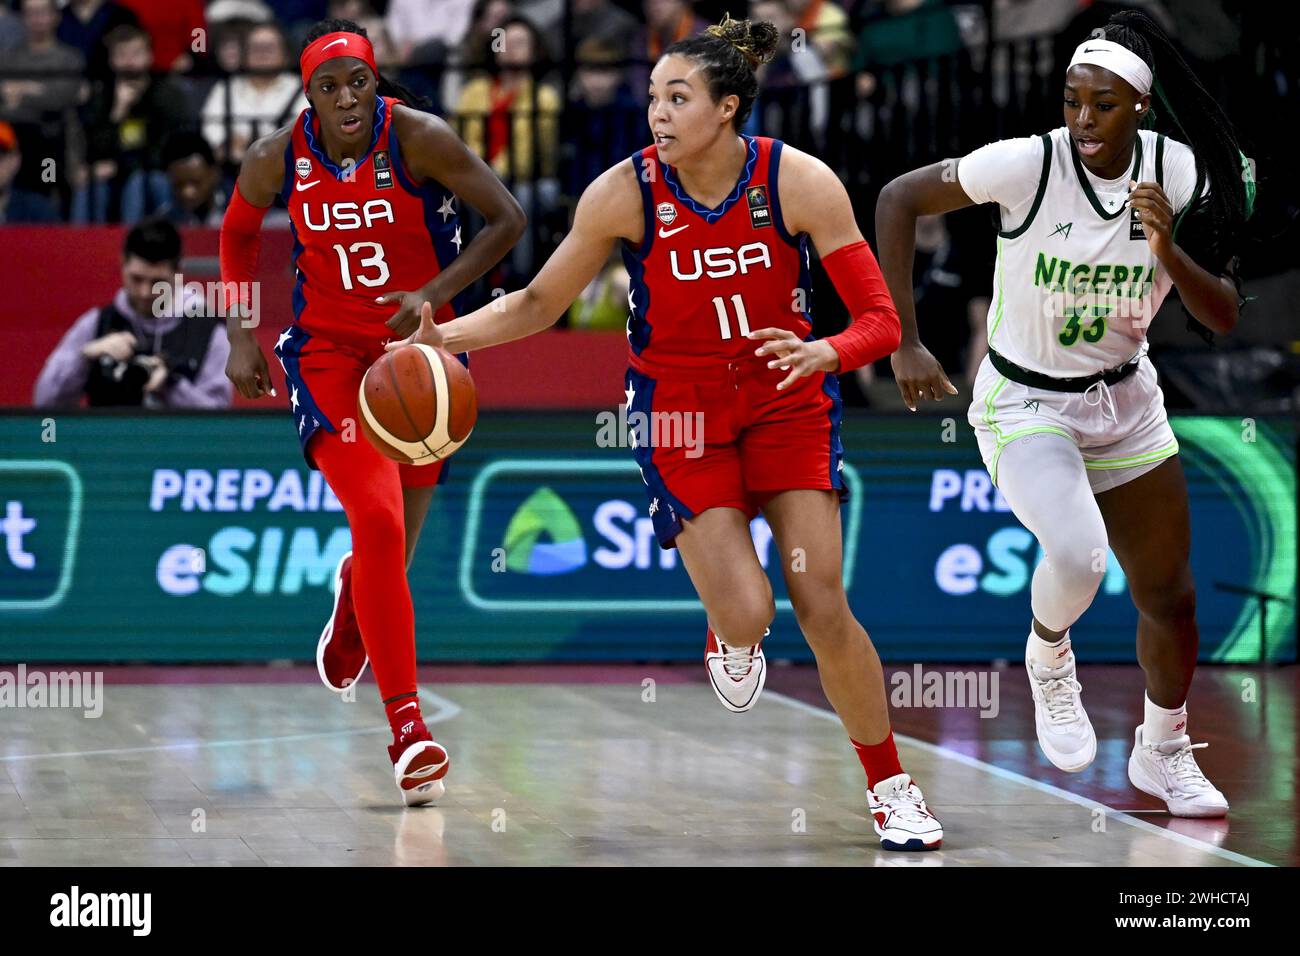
(724, 324)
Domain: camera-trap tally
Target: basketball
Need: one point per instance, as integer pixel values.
(418, 404)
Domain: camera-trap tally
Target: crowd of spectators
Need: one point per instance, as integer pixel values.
(123, 111)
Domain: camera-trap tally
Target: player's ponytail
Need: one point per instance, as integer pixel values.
(1199, 121)
(730, 52)
(383, 85)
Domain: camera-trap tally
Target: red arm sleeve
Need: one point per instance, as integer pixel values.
(874, 331)
(241, 238)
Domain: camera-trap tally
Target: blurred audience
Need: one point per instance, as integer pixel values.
(603, 115)
(132, 353)
(197, 197)
(83, 26)
(173, 26)
(262, 99)
(127, 118)
(18, 205)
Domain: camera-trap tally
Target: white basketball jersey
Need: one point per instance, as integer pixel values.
(1076, 284)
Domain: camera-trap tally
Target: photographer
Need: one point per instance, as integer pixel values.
(124, 354)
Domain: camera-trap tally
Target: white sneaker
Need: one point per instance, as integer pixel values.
(1064, 731)
(1169, 771)
(736, 673)
(900, 816)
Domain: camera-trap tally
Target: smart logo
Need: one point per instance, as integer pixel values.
(544, 513)
(40, 513)
(577, 536)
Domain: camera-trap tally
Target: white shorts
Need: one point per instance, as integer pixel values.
(1114, 451)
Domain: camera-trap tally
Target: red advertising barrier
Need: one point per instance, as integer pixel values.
(49, 275)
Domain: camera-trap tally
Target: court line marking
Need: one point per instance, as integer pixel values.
(1010, 775)
(446, 710)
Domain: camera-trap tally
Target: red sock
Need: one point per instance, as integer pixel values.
(880, 761)
(403, 715)
(369, 487)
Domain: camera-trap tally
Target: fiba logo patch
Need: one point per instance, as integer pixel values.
(759, 214)
(383, 170)
(666, 212)
(304, 167)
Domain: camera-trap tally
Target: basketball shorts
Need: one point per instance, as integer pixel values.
(1121, 435)
(731, 442)
(324, 380)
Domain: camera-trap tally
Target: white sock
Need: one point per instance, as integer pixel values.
(1160, 725)
(1044, 653)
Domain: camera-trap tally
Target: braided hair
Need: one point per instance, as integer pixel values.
(383, 85)
(1201, 124)
(730, 52)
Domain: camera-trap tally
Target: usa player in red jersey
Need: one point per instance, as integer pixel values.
(715, 229)
(372, 188)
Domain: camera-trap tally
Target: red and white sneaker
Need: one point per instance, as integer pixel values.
(900, 816)
(736, 673)
(419, 764)
(340, 656)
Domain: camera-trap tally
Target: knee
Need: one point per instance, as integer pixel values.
(1169, 599)
(376, 518)
(1081, 561)
(823, 614)
(745, 617)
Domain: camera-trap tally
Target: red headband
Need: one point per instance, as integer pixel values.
(333, 45)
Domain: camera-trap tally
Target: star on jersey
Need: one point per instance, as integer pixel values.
(293, 398)
(447, 209)
(457, 240)
(630, 392)
(284, 337)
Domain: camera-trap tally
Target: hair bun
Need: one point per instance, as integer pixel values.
(756, 40)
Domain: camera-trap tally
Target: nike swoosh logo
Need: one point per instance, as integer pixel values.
(342, 40)
(404, 706)
(301, 186)
(1085, 49)
(665, 233)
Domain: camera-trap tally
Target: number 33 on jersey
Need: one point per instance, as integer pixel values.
(360, 231)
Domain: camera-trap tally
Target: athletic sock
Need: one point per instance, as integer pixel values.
(1160, 724)
(403, 714)
(879, 761)
(1045, 653)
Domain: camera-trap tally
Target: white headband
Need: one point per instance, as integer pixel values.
(1120, 60)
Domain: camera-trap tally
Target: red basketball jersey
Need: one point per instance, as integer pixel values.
(703, 278)
(362, 231)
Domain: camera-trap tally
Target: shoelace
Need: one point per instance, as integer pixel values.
(1182, 766)
(906, 802)
(1104, 398)
(736, 661)
(1059, 696)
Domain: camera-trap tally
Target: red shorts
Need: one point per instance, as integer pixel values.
(324, 380)
(733, 442)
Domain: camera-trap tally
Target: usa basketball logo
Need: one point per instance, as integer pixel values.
(666, 212)
(304, 167)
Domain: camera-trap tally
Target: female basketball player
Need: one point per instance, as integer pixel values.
(715, 228)
(371, 186)
(1070, 420)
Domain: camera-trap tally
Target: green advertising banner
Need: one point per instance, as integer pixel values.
(205, 537)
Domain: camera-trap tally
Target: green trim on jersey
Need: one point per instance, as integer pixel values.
(1042, 189)
(1021, 433)
(1134, 174)
(1160, 160)
(997, 314)
(1101, 464)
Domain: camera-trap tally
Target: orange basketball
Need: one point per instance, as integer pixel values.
(418, 404)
